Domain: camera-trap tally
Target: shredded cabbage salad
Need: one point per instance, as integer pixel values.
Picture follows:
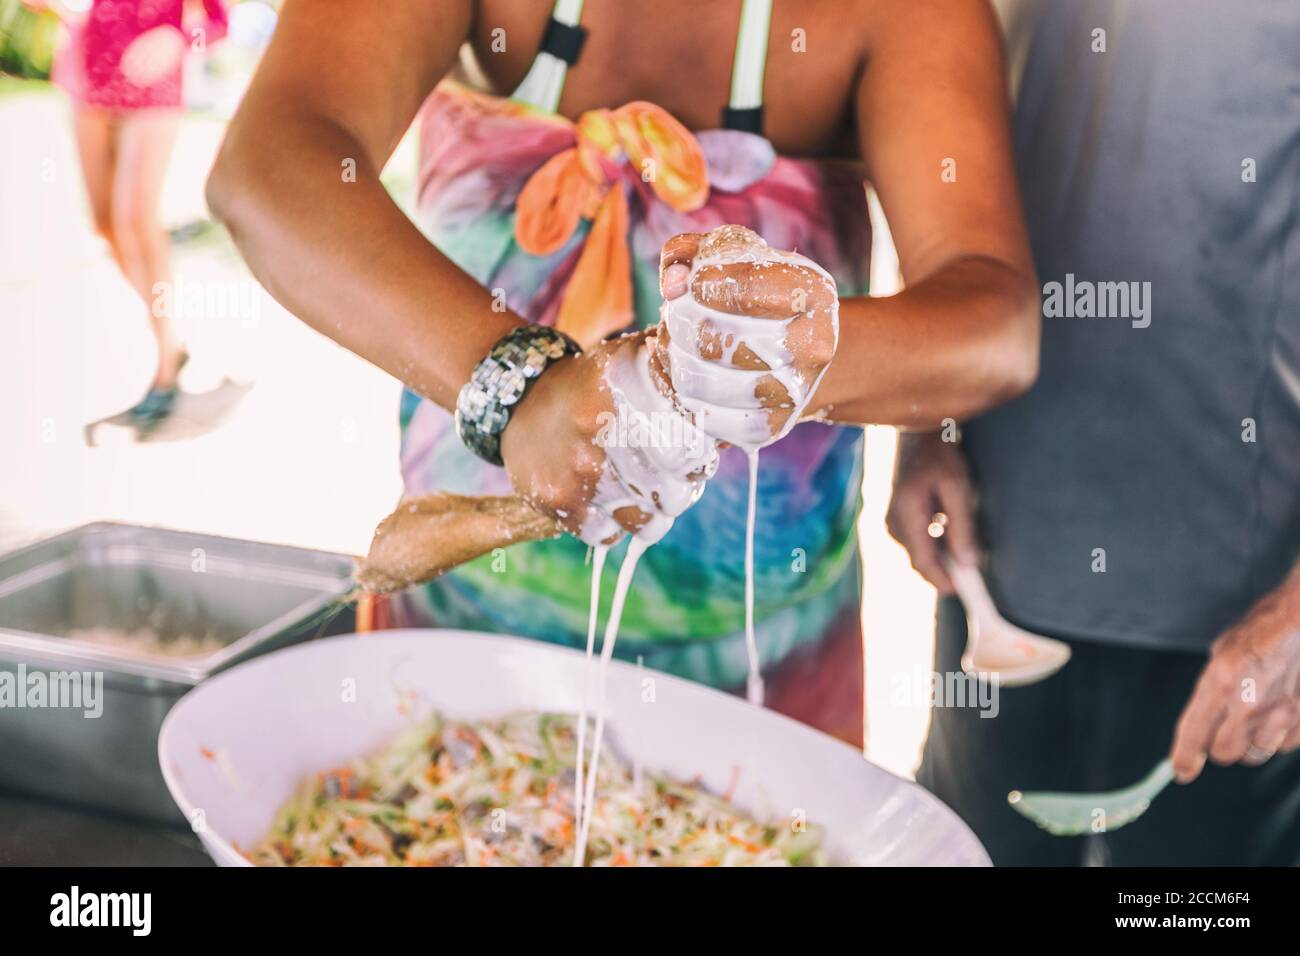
(500, 793)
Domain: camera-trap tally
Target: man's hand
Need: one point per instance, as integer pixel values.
(931, 478)
(1246, 706)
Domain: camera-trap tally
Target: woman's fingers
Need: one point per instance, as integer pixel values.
(655, 460)
(675, 263)
(766, 290)
(594, 525)
(746, 348)
(811, 341)
(769, 290)
(673, 281)
(732, 242)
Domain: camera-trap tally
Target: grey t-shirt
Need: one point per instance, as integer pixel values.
(1163, 440)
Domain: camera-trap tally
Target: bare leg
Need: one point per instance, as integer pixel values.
(144, 146)
(95, 146)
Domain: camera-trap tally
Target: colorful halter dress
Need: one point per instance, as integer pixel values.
(564, 220)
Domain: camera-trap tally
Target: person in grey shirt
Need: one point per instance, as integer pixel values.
(1142, 500)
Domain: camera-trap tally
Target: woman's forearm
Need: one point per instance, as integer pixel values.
(344, 258)
(934, 131)
(960, 341)
(338, 253)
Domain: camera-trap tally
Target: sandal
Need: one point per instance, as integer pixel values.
(157, 403)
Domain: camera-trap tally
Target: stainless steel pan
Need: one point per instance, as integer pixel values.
(252, 597)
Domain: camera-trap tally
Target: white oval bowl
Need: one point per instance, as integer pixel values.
(235, 748)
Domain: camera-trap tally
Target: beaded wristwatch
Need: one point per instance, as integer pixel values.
(486, 401)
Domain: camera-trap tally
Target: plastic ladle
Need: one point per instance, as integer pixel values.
(1073, 814)
(994, 646)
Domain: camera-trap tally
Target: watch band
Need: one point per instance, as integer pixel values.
(487, 400)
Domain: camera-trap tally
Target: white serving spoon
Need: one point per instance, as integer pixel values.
(995, 646)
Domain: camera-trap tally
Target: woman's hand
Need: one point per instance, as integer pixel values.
(931, 478)
(746, 378)
(297, 185)
(598, 443)
(549, 446)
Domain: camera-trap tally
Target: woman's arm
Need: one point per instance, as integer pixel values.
(336, 90)
(340, 84)
(963, 335)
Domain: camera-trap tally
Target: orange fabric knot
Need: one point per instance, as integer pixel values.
(582, 183)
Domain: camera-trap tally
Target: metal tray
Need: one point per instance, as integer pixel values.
(252, 597)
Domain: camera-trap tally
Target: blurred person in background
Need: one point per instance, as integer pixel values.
(1142, 500)
(535, 191)
(121, 66)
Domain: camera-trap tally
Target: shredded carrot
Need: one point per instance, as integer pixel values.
(735, 781)
(745, 844)
(662, 822)
(365, 614)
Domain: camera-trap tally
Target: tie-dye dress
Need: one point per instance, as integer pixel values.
(565, 222)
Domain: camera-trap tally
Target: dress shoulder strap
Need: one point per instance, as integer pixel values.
(744, 109)
(561, 46)
(564, 37)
